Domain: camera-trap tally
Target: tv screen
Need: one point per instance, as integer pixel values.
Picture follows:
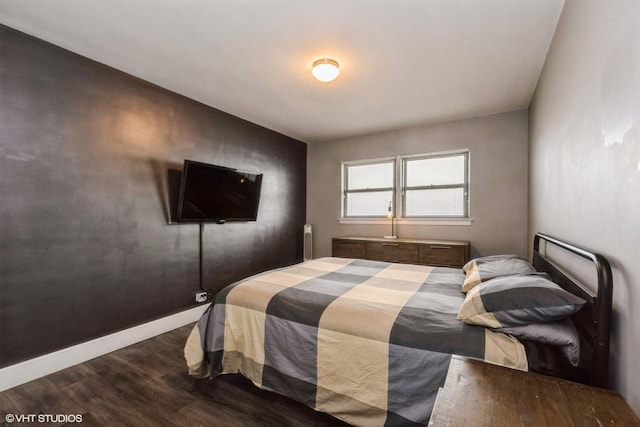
(210, 193)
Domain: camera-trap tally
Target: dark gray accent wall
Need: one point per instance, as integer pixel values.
(85, 249)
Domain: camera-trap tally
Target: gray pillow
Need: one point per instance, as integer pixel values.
(486, 268)
(517, 300)
(561, 334)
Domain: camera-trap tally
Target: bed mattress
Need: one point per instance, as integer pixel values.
(365, 341)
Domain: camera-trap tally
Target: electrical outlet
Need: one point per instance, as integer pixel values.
(201, 297)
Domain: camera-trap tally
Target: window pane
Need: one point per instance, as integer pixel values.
(377, 175)
(439, 202)
(373, 203)
(435, 171)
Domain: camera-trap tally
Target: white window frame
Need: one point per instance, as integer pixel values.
(398, 196)
(345, 191)
(404, 188)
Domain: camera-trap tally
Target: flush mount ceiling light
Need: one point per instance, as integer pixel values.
(325, 69)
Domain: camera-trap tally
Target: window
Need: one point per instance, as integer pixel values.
(431, 186)
(368, 188)
(435, 185)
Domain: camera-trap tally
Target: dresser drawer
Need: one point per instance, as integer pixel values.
(447, 253)
(348, 249)
(443, 255)
(393, 252)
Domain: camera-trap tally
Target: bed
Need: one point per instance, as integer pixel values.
(370, 342)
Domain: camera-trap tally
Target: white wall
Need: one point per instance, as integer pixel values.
(584, 125)
(498, 181)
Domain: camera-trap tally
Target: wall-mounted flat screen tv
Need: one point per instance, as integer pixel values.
(210, 193)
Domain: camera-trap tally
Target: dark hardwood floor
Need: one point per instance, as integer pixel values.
(147, 384)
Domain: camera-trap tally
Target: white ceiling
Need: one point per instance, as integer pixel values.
(403, 62)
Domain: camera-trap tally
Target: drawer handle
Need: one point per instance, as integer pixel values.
(349, 243)
(391, 244)
(440, 247)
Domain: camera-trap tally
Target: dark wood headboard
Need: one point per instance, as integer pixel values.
(593, 321)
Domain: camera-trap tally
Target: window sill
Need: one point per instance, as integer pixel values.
(408, 221)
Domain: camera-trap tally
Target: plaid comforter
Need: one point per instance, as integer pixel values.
(367, 342)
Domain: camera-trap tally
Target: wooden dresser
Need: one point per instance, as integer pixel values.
(443, 253)
(480, 394)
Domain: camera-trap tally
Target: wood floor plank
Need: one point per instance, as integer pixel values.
(28, 397)
(6, 406)
(147, 384)
(71, 375)
(100, 402)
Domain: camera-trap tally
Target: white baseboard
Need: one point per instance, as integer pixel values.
(38, 367)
